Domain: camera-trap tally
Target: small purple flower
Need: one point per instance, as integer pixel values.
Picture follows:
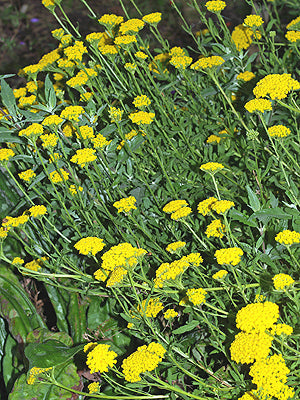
(22, 43)
(34, 20)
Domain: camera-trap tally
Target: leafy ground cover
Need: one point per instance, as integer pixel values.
(150, 202)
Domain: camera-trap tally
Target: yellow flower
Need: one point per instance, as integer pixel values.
(277, 86)
(85, 132)
(131, 26)
(204, 207)
(215, 229)
(125, 40)
(281, 329)
(74, 190)
(126, 204)
(258, 105)
(115, 114)
(169, 314)
(141, 101)
(84, 156)
(253, 20)
(221, 206)
(293, 23)
(181, 62)
(49, 140)
(34, 265)
(248, 347)
(37, 211)
(282, 281)
(293, 36)
(6, 154)
(35, 371)
(228, 256)
(142, 117)
(245, 76)
(288, 237)
(152, 19)
(141, 55)
(72, 113)
(279, 131)
(215, 5)
(257, 317)
(32, 130)
(17, 261)
(75, 53)
(181, 213)
(242, 36)
(100, 358)
(110, 20)
(89, 245)
(15, 222)
(220, 274)
(100, 141)
(94, 387)
(173, 247)
(59, 176)
(196, 296)
(211, 167)
(174, 205)
(150, 308)
(52, 120)
(207, 62)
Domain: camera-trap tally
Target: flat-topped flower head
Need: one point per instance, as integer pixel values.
(100, 358)
(6, 155)
(72, 113)
(288, 237)
(204, 207)
(125, 40)
(258, 105)
(207, 62)
(37, 211)
(222, 206)
(215, 5)
(181, 62)
(257, 317)
(242, 36)
(211, 167)
(248, 347)
(230, 256)
(276, 86)
(215, 229)
(150, 308)
(141, 101)
(253, 20)
(126, 204)
(52, 120)
(152, 19)
(196, 296)
(59, 176)
(293, 36)
(175, 246)
(142, 117)
(131, 26)
(169, 314)
(221, 274)
(174, 205)
(282, 281)
(110, 20)
(295, 23)
(32, 130)
(89, 245)
(245, 76)
(49, 140)
(181, 213)
(279, 131)
(84, 156)
(115, 114)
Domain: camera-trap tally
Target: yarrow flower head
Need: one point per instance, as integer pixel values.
(59, 176)
(169, 314)
(282, 281)
(110, 20)
(293, 36)
(131, 26)
(100, 358)
(141, 101)
(142, 117)
(150, 308)
(245, 76)
(257, 317)
(196, 296)
(126, 204)
(37, 211)
(173, 247)
(207, 62)
(215, 5)
(220, 274)
(279, 131)
(288, 237)
(84, 156)
(35, 371)
(94, 387)
(89, 245)
(204, 207)
(5, 155)
(215, 229)
(211, 167)
(277, 86)
(228, 256)
(152, 19)
(253, 20)
(181, 62)
(258, 105)
(242, 36)
(32, 130)
(222, 206)
(248, 347)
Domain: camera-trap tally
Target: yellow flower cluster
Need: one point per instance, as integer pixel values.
(215, 5)
(84, 156)
(181, 62)
(177, 209)
(75, 53)
(99, 358)
(35, 371)
(245, 76)
(168, 314)
(204, 207)
(59, 176)
(72, 113)
(108, 49)
(110, 20)
(145, 358)
(221, 206)
(150, 308)
(207, 62)
(293, 23)
(152, 19)
(242, 36)
(89, 245)
(128, 136)
(293, 36)
(94, 387)
(74, 190)
(282, 281)
(49, 140)
(277, 86)
(173, 247)
(253, 20)
(32, 130)
(126, 204)
(125, 40)
(196, 296)
(131, 26)
(220, 274)
(257, 317)
(228, 256)
(116, 262)
(211, 167)
(280, 329)
(215, 229)
(85, 132)
(258, 105)
(100, 141)
(52, 120)
(4, 232)
(141, 101)
(141, 55)
(17, 261)
(14, 222)
(270, 376)
(288, 237)
(115, 114)
(6, 154)
(35, 265)
(142, 117)
(279, 131)
(37, 211)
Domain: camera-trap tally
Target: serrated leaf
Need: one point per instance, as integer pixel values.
(186, 328)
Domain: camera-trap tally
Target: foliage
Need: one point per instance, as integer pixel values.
(152, 196)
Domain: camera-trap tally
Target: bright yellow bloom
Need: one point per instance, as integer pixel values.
(207, 62)
(142, 117)
(131, 26)
(141, 101)
(21, 92)
(15, 222)
(75, 53)
(173, 247)
(110, 20)
(52, 120)
(100, 358)
(100, 141)
(293, 36)
(294, 23)
(34, 372)
(85, 132)
(258, 105)
(141, 55)
(181, 62)
(288, 237)
(174, 205)
(108, 49)
(221, 206)
(257, 317)
(89, 245)
(253, 20)
(34, 265)
(229, 256)
(74, 190)
(215, 229)
(84, 156)
(6, 154)
(152, 19)
(32, 130)
(94, 387)
(59, 176)
(215, 5)
(72, 113)
(220, 274)
(170, 314)
(150, 308)
(4, 232)
(49, 140)
(37, 211)
(279, 131)
(204, 207)
(242, 36)
(282, 281)
(280, 329)
(248, 347)
(277, 86)
(245, 76)
(126, 204)
(196, 296)
(181, 213)
(125, 40)
(115, 114)
(17, 261)
(211, 167)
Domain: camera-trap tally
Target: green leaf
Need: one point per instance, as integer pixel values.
(186, 328)
(77, 317)
(50, 95)
(50, 353)
(8, 98)
(42, 335)
(66, 376)
(267, 214)
(253, 199)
